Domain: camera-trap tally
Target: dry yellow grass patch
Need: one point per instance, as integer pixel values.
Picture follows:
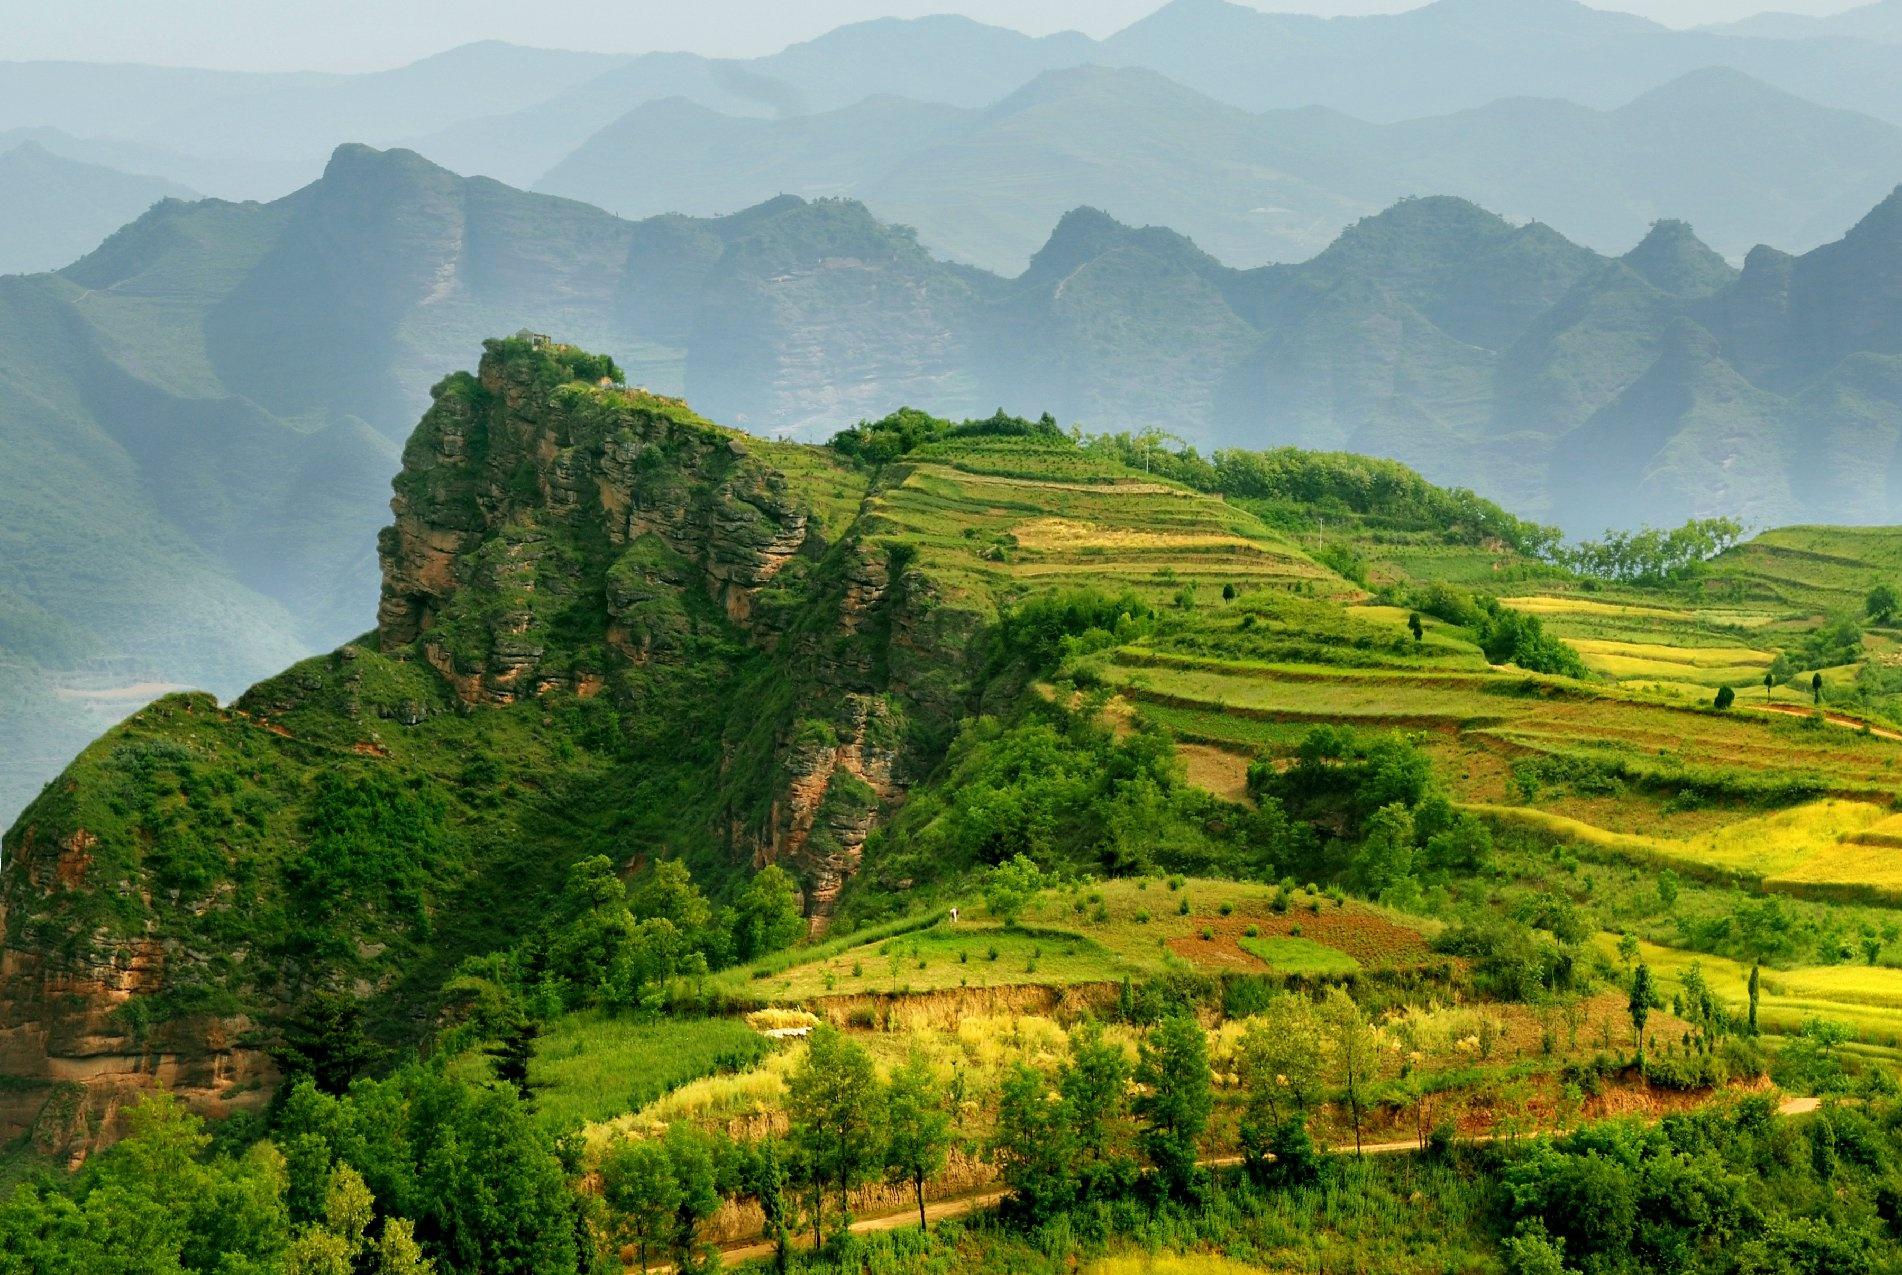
(1215, 770)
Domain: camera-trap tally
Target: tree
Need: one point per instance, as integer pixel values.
(1816, 689)
(917, 1130)
(323, 1038)
(1756, 978)
(1356, 1055)
(397, 1252)
(766, 1177)
(1769, 680)
(638, 1184)
(1010, 888)
(1882, 604)
(1094, 1085)
(690, 1153)
(1281, 1062)
(1175, 1103)
(1415, 627)
(836, 1105)
(1644, 999)
(512, 1054)
(1228, 592)
(1725, 697)
(767, 916)
(1032, 1145)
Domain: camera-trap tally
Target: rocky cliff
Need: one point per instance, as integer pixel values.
(606, 626)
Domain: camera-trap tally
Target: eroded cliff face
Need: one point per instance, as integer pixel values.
(509, 488)
(557, 545)
(73, 1054)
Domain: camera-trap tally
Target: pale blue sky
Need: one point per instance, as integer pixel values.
(351, 35)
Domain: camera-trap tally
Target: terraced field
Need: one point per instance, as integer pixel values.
(1818, 848)
(1866, 998)
(1812, 569)
(1105, 933)
(1004, 520)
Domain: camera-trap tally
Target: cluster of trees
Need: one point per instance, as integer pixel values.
(415, 1175)
(1365, 812)
(627, 946)
(879, 442)
(847, 1127)
(1042, 630)
(1382, 491)
(1650, 555)
(1733, 1189)
(1506, 635)
(1061, 789)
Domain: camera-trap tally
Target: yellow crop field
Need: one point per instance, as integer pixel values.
(1848, 866)
(1866, 998)
(1544, 605)
(1702, 657)
(1784, 846)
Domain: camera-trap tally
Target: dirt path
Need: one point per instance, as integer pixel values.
(1834, 719)
(959, 1206)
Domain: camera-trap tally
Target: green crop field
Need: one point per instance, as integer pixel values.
(1104, 932)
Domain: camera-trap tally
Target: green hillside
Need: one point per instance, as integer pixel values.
(688, 778)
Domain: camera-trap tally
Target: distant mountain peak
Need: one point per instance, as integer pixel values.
(1079, 234)
(1883, 224)
(1672, 259)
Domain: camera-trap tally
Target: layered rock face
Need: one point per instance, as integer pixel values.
(75, 1064)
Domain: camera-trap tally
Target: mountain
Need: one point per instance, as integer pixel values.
(514, 113)
(1454, 55)
(233, 378)
(653, 634)
(941, 60)
(246, 135)
(57, 209)
(1744, 162)
(668, 739)
(1881, 20)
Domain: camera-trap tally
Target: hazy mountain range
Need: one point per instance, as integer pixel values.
(1446, 56)
(1744, 162)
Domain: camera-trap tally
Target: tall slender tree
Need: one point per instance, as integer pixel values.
(917, 1129)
